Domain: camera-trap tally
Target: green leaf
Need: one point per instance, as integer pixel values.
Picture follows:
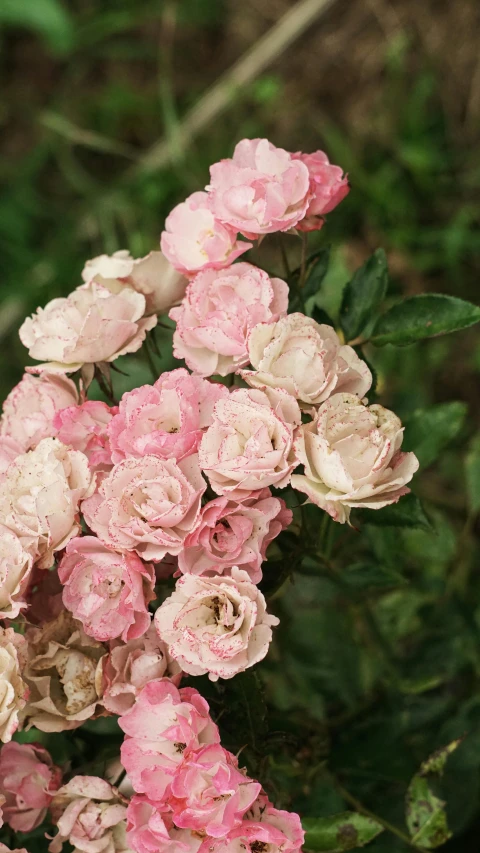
(428, 431)
(472, 471)
(49, 18)
(408, 512)
(426, 818)
(344, 831)
(424, 316)
(365, 576)
(363, 295)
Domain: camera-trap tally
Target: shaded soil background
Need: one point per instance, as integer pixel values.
(391, 90)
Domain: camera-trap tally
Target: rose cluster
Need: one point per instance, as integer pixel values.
(101, 503)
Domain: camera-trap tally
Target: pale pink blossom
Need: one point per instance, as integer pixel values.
(306, 359)
(217, 313)
(106, 591)
(260, 190)
(63, 674)
(233, 533)
(352, 457)
(130, 666)
(91, 816)
(147, 505)
(95, 323)
(40, 495)
(195, 240)
(153, 276)
(29, 410)
(28, 780)
(249, 444)
(216, 625)
(210, 794)
(85, 428)
(150, 831)
(5, 849)
(166, 419)
(15, 568)
(328, 186)
(13, 690)
(264, 829)
(10, 448)
(162, 729)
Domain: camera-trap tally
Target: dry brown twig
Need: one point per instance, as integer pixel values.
(216, 99)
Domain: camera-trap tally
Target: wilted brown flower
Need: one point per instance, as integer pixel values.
(64, 674)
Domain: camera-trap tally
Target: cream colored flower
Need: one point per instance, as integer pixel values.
(153, 276)
(13, 690)
(97, 322)
(40, 494)
(352, 457)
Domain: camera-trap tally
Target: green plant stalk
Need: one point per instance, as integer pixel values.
(359, 807)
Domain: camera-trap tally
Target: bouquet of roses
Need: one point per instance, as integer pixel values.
(134, 533)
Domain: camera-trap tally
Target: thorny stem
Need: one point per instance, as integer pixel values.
(359, 807)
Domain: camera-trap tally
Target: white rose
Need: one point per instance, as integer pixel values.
(40, 494)
(306, 359)
(13, 690)
(153, 276)
(249, 443)
(15, 566)
(97, 322)
(217, 625)
(352, 457)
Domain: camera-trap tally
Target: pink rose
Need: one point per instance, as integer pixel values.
(97, 322)
(166, 419)
(209, 794)
(153, 276)
(28, 780)
(352, 457)
(328, 186)
(130, 666)
(29, 409)
(217, 625)
(92, 817)
(40, 495)
(107, 592)
(15, 568)
(250, 442)
(194, 240)
(162, 728)
(260, 190)
(264, 828)
(85, 428)
(306, 359)
(10, 448)
(5, 849)
(147, 505)
(149, 831)
(232, 533)
(217, 313)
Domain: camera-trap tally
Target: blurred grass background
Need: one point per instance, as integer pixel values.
(391, 90)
